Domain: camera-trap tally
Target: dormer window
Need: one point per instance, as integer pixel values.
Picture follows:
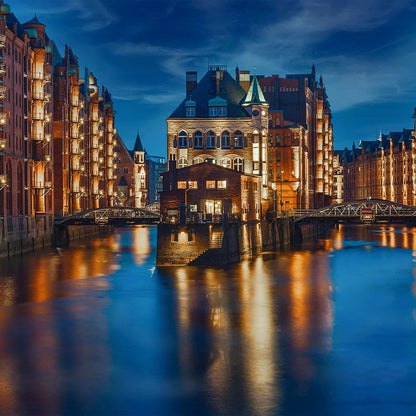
(190, 107)
(217, 107)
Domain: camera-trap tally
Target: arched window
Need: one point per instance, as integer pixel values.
(198, 160)
(210, 140)
(238, 140)
(238, 164)
(198, 142)
(183, 140)
(226, 162)
(182, 162)
(225, 140)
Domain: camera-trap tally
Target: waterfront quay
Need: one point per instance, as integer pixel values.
(327, 329)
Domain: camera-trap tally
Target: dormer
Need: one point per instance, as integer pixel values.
(190, 107)
(217, 107)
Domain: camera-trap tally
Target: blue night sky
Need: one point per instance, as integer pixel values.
(140, 50)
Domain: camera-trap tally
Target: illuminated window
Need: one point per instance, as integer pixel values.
(210, 184)
(181, 184)
(226, 162)
(210, 140)
(182, 162)
(198, 160)
(238, 164)
(222, 184)
(193, 184)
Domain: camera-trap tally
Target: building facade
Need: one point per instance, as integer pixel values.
(383, 169)
(56, 133)
(303, 103)
(210, 191)
(221, 122)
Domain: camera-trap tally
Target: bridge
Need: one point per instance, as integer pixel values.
(364, 210)
(112, 216)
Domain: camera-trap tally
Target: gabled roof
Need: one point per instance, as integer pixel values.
(206, 89)
(255, 94)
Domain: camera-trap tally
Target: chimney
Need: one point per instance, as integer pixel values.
(172, 175)
(191, 81)
(237, 74)
(217, 81)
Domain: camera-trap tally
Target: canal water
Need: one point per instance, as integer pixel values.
(97, 329)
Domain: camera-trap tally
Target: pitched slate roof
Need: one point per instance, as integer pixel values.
(255, 94)
(123, 182)
(11, 20)
(229, 89)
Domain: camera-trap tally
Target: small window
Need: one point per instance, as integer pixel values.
(222, 184)
(183, 140)
(210, 184)
(210, 140)
(190, 111)
(198, 142)
(193, 184)
(126, 170)
(181, 184)
(182, 162)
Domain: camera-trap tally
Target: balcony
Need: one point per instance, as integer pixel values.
(38, 136)
(2, 41)
(75, 103)
(3, 92)
(2, 66)
(3, 144)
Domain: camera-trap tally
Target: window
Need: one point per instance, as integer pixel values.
(198, 142)
(238, 164)
(238, 139)
(193, 184)
(218, 111)
(190, 111)
(225, 140)
(222, 184)
(181, 184)
(198, 160)
(183, 140)
(226, 162)
(278, 157)
(126, 170)
(182, 162)
(210, 184)
(210, 140)
(277, 139)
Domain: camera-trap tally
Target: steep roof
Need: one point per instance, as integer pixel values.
(11, 20)
(138, 146)
(123, 182)
(205, 90)
(255, 94)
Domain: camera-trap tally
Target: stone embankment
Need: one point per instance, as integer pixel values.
(226, 243)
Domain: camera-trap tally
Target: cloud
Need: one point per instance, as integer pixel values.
(94, 14)
(145, 95)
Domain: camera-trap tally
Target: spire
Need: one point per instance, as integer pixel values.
(313, 73)
(138, 146)
(34, 21)
(255, 94)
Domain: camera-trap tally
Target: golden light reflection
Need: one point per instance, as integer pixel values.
(142, 247)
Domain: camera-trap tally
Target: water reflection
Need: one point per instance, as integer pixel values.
(97, 331)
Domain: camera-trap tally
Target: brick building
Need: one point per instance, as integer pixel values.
(300, 101)
(384, 168)
(56, 134)
(210, 190)
(131, 174)
(220, 121)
